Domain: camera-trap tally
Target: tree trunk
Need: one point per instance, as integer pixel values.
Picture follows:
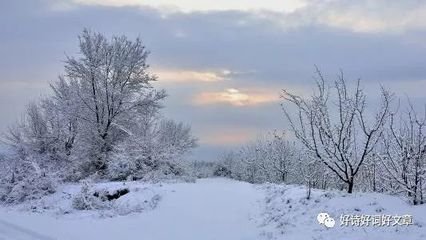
(350, 183)
(308, 193)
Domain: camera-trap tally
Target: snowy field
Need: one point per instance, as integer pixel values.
(210, 209)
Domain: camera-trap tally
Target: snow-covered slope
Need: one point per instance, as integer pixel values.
(210, 209)
(290, 215)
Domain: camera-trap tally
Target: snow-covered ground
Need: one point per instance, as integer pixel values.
(210, 209)
(289, 215)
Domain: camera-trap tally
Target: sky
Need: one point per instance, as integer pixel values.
(222, 62)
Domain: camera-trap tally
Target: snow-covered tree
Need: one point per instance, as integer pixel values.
(153, 148)
(229, 166)
(282, 156)
(403, 154)
(334, 128)
(270, 158)
(111, 86)
(103, 118)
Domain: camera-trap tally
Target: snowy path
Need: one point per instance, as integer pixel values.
(211, 209)
(11, 231)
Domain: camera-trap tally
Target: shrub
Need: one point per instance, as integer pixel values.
(29, 188)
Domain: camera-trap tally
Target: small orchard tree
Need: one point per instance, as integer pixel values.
(403, 154)
(281, 157)
(310, 174)
(333, 126)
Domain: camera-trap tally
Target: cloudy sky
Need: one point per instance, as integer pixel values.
(223, 62)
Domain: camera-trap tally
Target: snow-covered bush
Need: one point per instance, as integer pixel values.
(122, 168)
(29, 188)
(19, 187)
(89, 199)
(130, 204)
(221, 171)
(114, 200)
(154, 149)
(23, 178)
(201, 169)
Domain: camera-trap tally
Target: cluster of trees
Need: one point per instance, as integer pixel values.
(272, 158)
(102, 119)
(267, 159)
(339, 144)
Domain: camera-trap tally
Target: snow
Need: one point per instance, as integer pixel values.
(289, 215)
(142, 197)
(209, 209)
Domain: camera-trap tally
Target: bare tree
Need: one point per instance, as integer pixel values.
(333, 125)
(404, 154)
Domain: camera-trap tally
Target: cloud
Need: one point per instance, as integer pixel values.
(364, 16)
(203, 5)
(235, 97)
(374, 16)
(182, 76)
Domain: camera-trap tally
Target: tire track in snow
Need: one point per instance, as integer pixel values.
(12, 231)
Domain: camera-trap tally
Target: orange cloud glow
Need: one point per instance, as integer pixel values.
(228, 137)
(235, 97)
